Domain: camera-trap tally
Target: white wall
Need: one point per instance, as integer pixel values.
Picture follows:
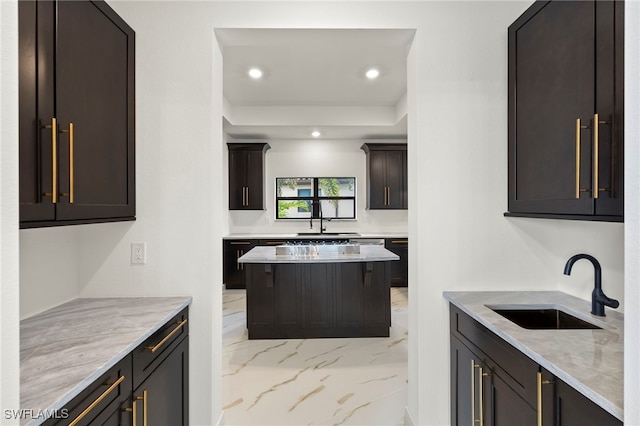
(9, 289)
(632, 215)
(317, 158)
(458, 177)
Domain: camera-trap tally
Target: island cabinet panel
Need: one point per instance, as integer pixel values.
(307, 300)
(495, 384)
(77, 114)
(349, 292)
(566, 149)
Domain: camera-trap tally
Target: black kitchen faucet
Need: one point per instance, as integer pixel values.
(598, 299)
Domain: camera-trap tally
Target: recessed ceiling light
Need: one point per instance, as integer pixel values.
(372, 73)
(255, 73)
(315, 133)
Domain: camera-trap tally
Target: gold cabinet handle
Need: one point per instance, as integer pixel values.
(133, 410)
(144, 406)
(473, 392)
(596, 156)
(71, 165)
(97, 401)
(388, 195)
(54, 160)
(247, 197)
(168, 336)
(399, 241)
(240, 243)
(539, 383)
(578, 129)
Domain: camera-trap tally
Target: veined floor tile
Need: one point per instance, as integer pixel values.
(354, 381)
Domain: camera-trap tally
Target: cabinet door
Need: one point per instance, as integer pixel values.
(610, 106)
(469, 399)
(287, 293)
(507, 407)
(396, 179)
(95, 91)
(234, 272)
(551, 78)
(377, 180)
(255, 180)
(237, 179)
(399, 269)
(166, 391)
(36, 109)
(260, 297)
(574, 409)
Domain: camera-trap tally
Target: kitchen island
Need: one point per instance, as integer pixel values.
(317, 291)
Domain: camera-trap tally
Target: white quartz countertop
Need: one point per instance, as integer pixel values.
(264, 254)
(591, 361)
(295, 236)
(66, 348)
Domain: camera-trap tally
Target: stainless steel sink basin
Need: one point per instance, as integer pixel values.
(332, 234)
(543, 318)
(316, 249)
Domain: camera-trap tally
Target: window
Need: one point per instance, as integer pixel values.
(304, 198)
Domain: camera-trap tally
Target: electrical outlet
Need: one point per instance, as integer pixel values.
(138, 253)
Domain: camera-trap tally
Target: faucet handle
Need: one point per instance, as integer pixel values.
(612, 303)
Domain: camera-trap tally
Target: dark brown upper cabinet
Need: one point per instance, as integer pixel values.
(77, 114)
(246, 175)
(386, 175)
(566, 94)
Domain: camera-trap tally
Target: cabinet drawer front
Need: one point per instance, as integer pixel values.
(150, 354)
(390, 243)
(516, 369)
(99, 398)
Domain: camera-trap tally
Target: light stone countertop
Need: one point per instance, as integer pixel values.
(295, 236)
(66, 348)
(367, 254)
(591, 361)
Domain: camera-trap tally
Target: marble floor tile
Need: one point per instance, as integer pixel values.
(359, 381)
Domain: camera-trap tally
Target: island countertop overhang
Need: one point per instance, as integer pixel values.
(267, 254)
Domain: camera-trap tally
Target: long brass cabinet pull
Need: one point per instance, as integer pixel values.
(144, 406)
(579, 127)
(596, 155)
(168, 336)
(54, 160)
(539, 383)
(247, 197)
(133, 410)
(473, 392)
(71, 164)
(97, 401)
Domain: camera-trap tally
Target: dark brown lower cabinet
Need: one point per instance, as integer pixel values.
(399, 268)
(149, 386)
(314, 300)
(233, 272)
(493, 383)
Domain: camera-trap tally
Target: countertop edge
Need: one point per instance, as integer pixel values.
(76, 390)
(574, 382)
(295, 236)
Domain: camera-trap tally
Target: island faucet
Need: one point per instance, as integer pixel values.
(598, 299)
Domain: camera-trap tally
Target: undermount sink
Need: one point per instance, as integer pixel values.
(333, 234)
(543, 318)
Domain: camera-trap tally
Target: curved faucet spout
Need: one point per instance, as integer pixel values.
(598, 299)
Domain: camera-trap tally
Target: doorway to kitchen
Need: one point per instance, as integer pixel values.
(316, 96)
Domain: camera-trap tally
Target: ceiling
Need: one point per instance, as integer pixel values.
(313, 79)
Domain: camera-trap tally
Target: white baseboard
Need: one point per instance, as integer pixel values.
(408, 420)
(220, 421)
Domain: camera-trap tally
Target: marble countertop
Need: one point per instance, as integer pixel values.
(591, 361)
(294, 236)
(264, 254)
(66, 348)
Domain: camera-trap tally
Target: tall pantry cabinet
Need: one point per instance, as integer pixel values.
(77, 113)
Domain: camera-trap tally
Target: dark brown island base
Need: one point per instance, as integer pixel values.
(318, 291)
